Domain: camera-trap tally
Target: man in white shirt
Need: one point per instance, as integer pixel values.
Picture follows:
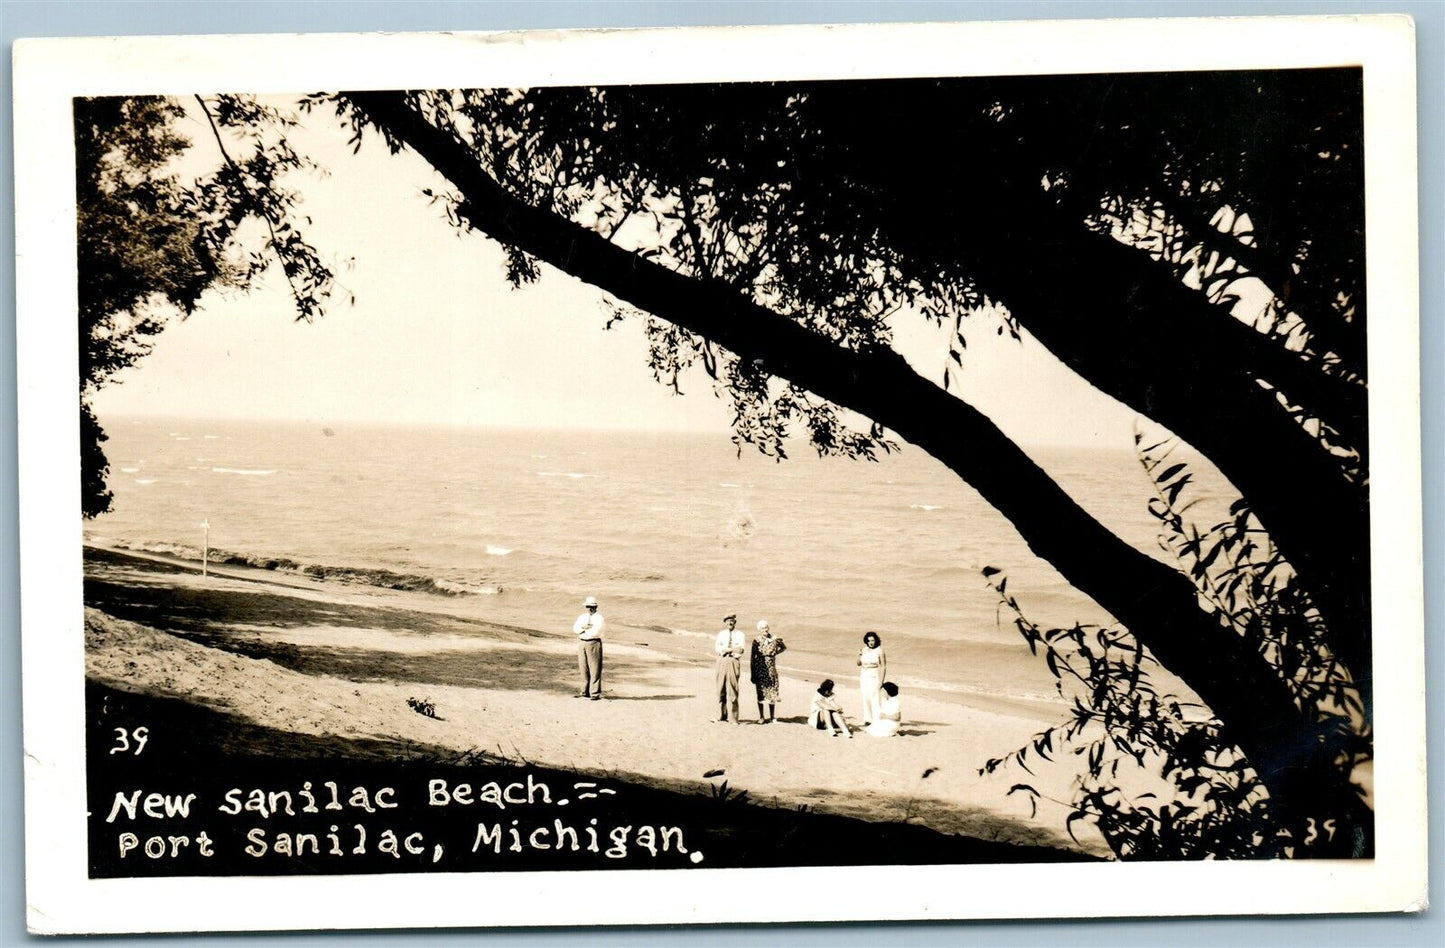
(730, 645)
(588, 627)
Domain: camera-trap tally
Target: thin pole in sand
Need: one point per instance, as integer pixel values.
(205, 545)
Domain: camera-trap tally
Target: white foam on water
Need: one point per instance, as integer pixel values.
(497, 550)
(250, 472)
(129, 470)
(145, 480)
(447, 585)
(925, 507)
(159, 546)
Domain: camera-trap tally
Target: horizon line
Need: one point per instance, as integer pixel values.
(513, 426)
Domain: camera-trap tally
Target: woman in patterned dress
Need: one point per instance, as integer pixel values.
(765, 670)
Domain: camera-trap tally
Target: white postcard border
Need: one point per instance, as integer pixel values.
(48, 73)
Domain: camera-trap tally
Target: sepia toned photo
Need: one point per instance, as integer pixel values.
(890, 473)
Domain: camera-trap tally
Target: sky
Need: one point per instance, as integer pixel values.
(437, 336)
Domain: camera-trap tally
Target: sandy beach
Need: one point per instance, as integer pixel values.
(339, 661)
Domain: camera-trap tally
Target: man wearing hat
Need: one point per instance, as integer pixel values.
(588, 627)
(729, 645)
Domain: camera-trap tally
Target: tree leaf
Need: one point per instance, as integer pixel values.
(1169, 472)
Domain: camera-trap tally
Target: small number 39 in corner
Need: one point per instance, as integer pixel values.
(130, 742)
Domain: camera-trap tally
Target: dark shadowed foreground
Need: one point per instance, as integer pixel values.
(378, 807)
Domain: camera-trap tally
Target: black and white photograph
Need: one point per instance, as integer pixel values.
(478, 464)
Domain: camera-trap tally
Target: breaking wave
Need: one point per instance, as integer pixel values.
(344, 575)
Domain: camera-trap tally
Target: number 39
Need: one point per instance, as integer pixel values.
(125, 739)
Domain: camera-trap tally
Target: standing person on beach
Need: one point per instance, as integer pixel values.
(729, 646)
(588, 628)
(765, 670)
(872, 669)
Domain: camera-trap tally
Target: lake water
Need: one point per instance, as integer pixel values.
(670, 530)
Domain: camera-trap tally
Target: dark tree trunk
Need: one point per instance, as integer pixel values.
(1122, 321)
(1150, 342)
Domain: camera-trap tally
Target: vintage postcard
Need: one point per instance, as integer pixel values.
(606, 478)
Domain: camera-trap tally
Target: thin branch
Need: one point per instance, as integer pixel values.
(258, 204)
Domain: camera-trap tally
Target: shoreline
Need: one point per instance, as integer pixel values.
(341, 661)
(805, 666)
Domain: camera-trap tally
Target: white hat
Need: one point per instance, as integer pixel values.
(590, 601)
(762, 625)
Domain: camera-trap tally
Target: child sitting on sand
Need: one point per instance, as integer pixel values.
(825, 714)
(890, 716)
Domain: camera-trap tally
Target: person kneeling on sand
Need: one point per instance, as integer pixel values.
(890, 716)
(826, 715)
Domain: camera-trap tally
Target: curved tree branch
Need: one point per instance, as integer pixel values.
(1155, 602)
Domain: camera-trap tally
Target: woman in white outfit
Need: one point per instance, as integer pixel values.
(890, 715)
(825, 715)
(872, 670)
